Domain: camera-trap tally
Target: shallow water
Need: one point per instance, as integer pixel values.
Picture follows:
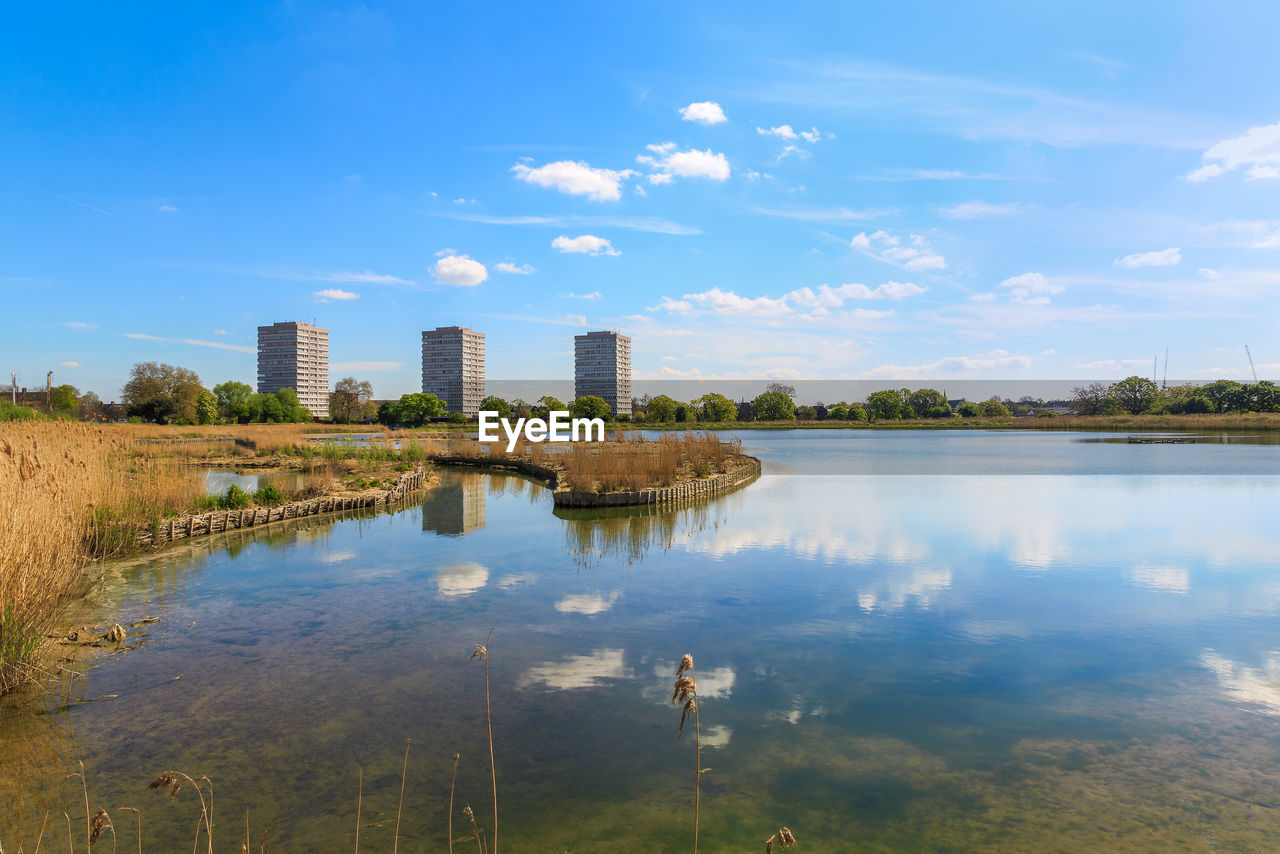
(1057, 646)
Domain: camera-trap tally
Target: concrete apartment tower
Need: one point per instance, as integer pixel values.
(295, 355)
(453, 367)
(602, 367)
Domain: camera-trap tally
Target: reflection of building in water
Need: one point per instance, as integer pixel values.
(456, 506)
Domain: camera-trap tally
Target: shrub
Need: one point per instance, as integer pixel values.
(268, 494)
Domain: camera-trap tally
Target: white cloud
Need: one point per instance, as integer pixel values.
(586, 603)
(464, 201)
(950, 366)
(462, 579)
(703, 112)
(672, 163)
(888, 248)
(586, 244)
(77, 324)
(194, 342)
(1250, 233)
(826, 296)
(517, 269)
(653, 224)
(461, 270)
(167, 209)
(1031, 288)
(69, 364)
(575, 319)
(339, 277)
(840, 214)
(334, 293)
(1112, 366)
(782, 131)
(1209, 273)
(219, 332)
(819, 301)
(594, 295)
(576, 179)
(1258, 150)
(986, 297)
(1161, 258)
(975, 209)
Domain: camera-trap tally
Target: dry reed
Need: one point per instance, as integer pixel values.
(686, 692)
(482, 652)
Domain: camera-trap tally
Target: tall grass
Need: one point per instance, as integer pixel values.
(68, 492)
(628, 463)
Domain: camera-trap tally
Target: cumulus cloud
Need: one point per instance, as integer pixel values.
(576, 178)
(669, 162)
(951, 366)
(1161, 258)
(459, 270)
(584, 244)
(889, 248)
(335, 294)
(703, 112)
(975, 210)
(825, 296)
(1031, 288)
(789, 133)
(1258, 150)
(516, 269)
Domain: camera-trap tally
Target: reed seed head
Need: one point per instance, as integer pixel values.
(482, 652)
(686, 663)
(96, 827)
(165, 780)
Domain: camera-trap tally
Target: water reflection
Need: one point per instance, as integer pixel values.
(457, 505)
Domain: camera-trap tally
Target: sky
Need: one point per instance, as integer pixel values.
(907, 191)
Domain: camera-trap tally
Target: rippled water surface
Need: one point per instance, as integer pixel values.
(904, 641)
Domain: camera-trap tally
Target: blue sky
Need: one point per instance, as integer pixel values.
(827, 191)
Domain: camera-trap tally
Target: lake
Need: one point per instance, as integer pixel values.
(903, 640)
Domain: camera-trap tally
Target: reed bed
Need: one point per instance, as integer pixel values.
(632, 463)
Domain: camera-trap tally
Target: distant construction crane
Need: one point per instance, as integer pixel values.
(1252, 369)
(1165, 382)
(13, 386)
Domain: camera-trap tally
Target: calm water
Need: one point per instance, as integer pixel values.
(904, 641)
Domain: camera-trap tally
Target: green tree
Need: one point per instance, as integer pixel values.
(924, 402)
(206, 407)
(90, 405)
(1225, 395)
(591, 406)
(839, 412)
(716, 407)
(267, 408)
(1092, 399)
(662, 409)
(806, 413)
(857, 412)
(547, 403)
(773, 406)
(235, 401)
(349, 397)
(685, 413)
(992, 407)
(496, 404)
(291, 410)
(412, 410)
(887, 405)
(969, 409)
(1135, 394)
(63, 398)
(162, 393)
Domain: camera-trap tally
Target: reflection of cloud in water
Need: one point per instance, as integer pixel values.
(988, 631)
(578, 671)
(1258, 686)
(716, 736)
(713, 684)
(336, 557)
(461, 579)
(1170, 579)
(587, 603)
(510, 582)
(893, 592)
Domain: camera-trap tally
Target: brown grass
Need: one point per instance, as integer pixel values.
(628, 463)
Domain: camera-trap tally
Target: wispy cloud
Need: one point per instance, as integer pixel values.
(515, 269)
(594, 295)
(69, 364)
(656, 225)
(194, 342)
(367, 277)
(840, 214)
(915, 254)
(977, 210)
(74, 202)
(77, 324)
(1258, 149)
(335, 294)
(1161, 258)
